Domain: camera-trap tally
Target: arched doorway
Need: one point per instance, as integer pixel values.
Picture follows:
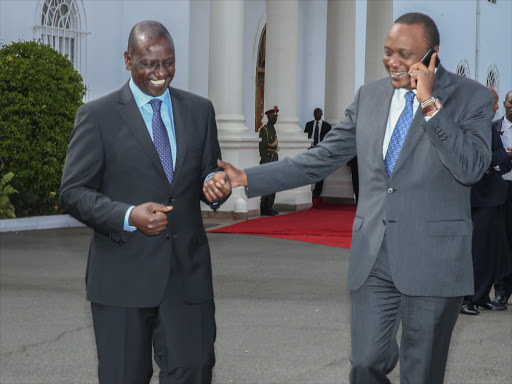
(260, 81)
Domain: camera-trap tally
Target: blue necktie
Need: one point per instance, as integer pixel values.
(161, 139)
(398, 136)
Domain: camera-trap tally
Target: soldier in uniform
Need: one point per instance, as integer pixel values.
(268, 153)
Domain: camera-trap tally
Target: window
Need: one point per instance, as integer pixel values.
(493, 78)
(61, 25)
(463, 68)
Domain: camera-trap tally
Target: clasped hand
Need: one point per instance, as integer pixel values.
(221, 184)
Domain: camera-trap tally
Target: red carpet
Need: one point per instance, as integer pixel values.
(326, 224)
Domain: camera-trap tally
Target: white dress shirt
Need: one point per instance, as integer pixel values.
(395, 110)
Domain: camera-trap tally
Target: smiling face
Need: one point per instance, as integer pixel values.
(405, 45)
(152, 64)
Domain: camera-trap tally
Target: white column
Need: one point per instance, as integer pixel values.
(226, 90)
(281, 79)
(339, 82)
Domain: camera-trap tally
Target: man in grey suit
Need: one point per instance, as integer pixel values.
(134, 172)
(418, 154)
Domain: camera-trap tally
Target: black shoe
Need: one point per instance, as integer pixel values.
(265, 213)
(469, 309)
(273, 213)
(493, 306)
(501, 299)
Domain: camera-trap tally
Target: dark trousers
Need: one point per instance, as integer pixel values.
(484, 252)
(317, 191)
(267, 202)
(427, 324)
(182, 336)
(503, 284)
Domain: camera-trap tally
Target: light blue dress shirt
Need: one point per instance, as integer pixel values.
(142, 100)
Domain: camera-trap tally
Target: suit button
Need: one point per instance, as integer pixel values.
(384, 222)
(171, 200)
(390, 190)
(167, 236)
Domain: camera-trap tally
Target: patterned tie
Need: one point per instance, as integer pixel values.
(161, 139)
(315, 136)
(398, 136)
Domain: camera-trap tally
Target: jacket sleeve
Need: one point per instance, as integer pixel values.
(80, 191)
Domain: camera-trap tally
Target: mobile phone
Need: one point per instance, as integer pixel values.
(426, 59)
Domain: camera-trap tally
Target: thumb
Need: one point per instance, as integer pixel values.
(155, 207)
(223, 164)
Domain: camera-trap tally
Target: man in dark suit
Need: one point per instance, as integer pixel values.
(487, 196)
(317, 129)
(422, 138)
(134, 172)
(503, 285)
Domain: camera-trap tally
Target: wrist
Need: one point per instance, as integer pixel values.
(430, 106)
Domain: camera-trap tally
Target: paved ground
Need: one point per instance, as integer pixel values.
(282, 314)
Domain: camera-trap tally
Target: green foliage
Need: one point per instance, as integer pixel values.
(40, 93)
(6, 208)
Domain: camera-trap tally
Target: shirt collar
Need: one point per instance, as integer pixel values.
(400, 92)
(142, 99)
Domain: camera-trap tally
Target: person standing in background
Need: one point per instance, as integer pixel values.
(268, 153)
(487, 196)
(317, 129)
(503, 285)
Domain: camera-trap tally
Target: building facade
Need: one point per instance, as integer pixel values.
(248, 56)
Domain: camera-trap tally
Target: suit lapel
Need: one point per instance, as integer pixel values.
(442, 90)
(132, 119)
(178, 112)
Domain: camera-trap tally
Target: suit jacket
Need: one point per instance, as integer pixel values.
(424, 207)
(112, 164)
(491, 189)
(309, 129)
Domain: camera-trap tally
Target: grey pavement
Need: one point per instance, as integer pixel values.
(282, 314)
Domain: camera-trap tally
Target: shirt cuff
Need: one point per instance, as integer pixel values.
(128, 227)
(209, 177)
(427, 118)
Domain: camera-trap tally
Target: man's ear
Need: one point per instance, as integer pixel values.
(128, 61)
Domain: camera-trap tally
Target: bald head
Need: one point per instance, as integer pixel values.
(507, 103)
(150, 57)
(147, 31)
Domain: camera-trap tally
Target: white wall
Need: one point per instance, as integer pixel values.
(495, 45)
(200, 47)
(17, 20)
(311, 58)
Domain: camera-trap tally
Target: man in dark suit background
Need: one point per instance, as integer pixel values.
(503, 285)
(134, 172)
(487, 196)
(422, 138)
(317, 129)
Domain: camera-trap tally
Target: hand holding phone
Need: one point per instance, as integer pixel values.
(426, 59)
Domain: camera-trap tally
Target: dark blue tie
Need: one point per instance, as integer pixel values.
(161, 139)
(398, 136)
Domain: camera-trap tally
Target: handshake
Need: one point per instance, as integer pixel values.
(222, 182)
